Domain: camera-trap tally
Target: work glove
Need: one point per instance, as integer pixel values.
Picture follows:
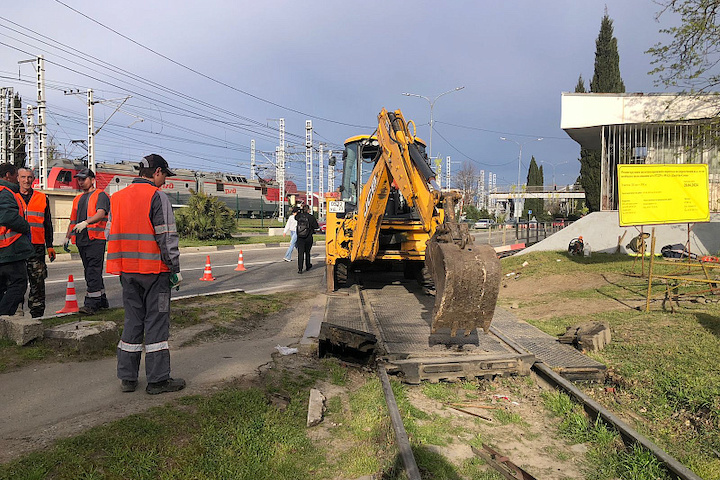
(175, 280)
(51, 254)
(80, 227)
(66, 245)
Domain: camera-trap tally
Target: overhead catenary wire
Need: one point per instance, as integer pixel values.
(189, 113)
(208, 77)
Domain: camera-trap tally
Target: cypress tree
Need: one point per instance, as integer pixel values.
(606, 79)
(580, 87)
(535, 180)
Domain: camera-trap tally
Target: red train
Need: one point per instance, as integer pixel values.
(247, 197)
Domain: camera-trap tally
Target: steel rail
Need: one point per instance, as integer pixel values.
(598, 411)
(592, 407)
(403, 442)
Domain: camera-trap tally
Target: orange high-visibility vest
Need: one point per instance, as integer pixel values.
(96, 231)
(131, 244)
(7, 236)
(36, 217)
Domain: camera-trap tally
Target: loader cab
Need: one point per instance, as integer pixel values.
(359, 158)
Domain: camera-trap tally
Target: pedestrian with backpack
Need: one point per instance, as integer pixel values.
(306, 226)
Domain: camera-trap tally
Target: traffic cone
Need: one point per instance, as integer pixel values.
(71, 305)
(207, 274)
(241, 264)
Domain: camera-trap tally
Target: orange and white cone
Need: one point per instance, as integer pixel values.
(241, 263)
(71, 305)
(207, 274)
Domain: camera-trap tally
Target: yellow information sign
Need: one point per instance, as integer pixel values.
(664, 193)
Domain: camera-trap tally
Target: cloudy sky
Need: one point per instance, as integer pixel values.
(206, 78)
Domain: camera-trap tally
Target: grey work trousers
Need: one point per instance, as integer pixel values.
(146, 299)
(93, 257)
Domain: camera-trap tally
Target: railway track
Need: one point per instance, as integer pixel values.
(596, 411)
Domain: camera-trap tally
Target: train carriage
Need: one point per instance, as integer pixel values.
(246, 197)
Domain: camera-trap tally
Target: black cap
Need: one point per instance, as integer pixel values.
(153, 161)
(85, 173)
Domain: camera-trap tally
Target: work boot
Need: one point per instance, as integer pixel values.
(104, 302)
(129, 385)
(169, 385)
(85, 310)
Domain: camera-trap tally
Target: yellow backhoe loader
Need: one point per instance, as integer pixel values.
(389, 209)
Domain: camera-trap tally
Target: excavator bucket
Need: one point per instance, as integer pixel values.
(467, 282)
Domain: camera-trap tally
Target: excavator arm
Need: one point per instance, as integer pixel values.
(400, 162)
(466, 276)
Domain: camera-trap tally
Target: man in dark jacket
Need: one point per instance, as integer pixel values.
(306, 226)
(15, 246)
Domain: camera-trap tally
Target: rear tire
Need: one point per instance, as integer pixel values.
(341, 274)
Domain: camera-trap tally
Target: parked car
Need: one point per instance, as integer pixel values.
(322, 226)
(559, 222)
(483, 223)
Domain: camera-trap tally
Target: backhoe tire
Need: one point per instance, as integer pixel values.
(426, 280)
(341, 274)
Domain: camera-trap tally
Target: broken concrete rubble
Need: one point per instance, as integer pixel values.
(21, 330)
(84, 335)
(316, 407)
(589, 336)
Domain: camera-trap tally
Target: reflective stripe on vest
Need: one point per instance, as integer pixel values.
(7, 236)
(96, 231)
(36, 217)
(131, 242)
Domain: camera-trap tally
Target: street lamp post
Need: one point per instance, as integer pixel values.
(553, 165)
(432, 104)
(520, 153)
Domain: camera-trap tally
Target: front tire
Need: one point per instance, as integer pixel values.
(341, 274)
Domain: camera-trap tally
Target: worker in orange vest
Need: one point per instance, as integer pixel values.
(143, 250)
(15, 246)
(87, 230)
(41, 235)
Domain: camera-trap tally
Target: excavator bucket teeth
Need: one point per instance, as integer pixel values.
(466, 286)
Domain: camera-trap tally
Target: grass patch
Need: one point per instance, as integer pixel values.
(442, 392)
(506, 417)
(242, 240)
(230, 314)
(663, 365)
(233, 434)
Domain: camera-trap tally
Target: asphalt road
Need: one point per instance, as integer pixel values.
(266, 272)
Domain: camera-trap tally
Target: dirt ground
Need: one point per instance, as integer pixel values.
(532, 443)
(518, 290)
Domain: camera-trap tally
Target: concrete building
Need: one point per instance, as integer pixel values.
(641, 128)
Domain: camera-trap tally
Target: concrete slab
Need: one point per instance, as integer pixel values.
(309, 343)
(21, 330)
(84, 335)
(316, 407)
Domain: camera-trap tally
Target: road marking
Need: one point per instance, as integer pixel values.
(251, 264)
